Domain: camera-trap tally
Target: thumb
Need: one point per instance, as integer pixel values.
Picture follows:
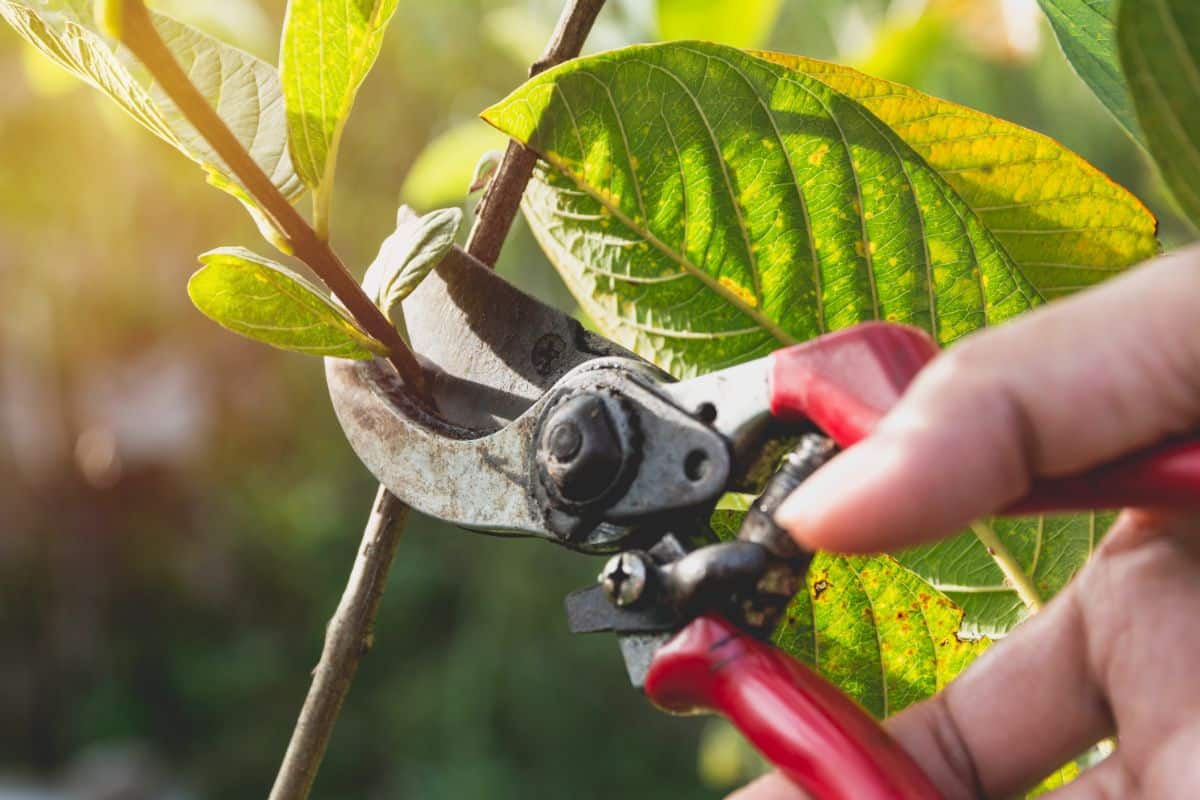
(1070, 386)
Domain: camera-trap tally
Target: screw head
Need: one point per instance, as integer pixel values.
(565, 441)
(624, 579)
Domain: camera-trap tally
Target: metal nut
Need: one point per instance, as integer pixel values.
(581, 451)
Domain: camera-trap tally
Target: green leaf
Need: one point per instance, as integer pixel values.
(1063, 222)
(485, 170)
(243, 89)
(1049, 550)
(1086, 31)
(408, 256)
(328, 49)
(740, 23)
(1160, 50)
(445, 168)
(706, 207)
(266, 301)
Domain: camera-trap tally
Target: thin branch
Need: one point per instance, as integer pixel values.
(141, 37)
(347, 639)
(352, 623)
(502, 201)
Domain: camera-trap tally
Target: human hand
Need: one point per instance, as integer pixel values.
(1071, 386)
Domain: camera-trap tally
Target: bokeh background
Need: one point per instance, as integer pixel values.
(178, 510)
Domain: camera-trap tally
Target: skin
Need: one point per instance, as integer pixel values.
(1073, 385)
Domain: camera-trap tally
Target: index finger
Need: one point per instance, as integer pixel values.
(1070, 386)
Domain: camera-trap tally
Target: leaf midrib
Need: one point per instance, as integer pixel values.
(696, 272)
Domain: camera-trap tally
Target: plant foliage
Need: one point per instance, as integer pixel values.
(244, 90)
(707, 206)
(328, 49)
(1160, 50)
(263, 300)
(1087, 32)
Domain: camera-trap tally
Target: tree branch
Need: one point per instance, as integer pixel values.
(500, 204)
(347, 639)
(352, 623)
(140, 36)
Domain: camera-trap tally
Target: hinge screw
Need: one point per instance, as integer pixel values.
(624, 578)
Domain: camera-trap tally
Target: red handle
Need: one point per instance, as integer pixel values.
(845, 382)
(814, 734)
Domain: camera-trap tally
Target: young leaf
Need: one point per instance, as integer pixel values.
(1086, 31)
(408, 255)
(266, 301)
(706, 207)
(441, 171)
(1160, 50)
(243, 89)
(741, 23)
(328, 49)
(485, 168)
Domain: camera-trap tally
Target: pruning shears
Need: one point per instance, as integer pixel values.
(544, 429)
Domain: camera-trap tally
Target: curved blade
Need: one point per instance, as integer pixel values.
(492, 352)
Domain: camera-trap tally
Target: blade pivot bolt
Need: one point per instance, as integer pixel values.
(582, 451)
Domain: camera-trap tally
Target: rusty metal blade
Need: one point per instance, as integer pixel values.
(491, 352)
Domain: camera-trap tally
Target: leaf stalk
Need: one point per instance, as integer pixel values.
(1021, 581)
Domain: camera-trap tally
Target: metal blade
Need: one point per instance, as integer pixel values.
(492, 352)
(495, 349)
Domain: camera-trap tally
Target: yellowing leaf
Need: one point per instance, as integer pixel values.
(879, 632)
(268, 302)
(1065, 224)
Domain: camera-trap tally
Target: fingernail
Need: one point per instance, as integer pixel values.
(818, 505)
(804, 506)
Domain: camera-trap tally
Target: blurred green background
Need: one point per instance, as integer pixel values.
(178, 511)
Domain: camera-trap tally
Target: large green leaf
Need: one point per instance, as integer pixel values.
(1048, 550)
(1086, 31)
(243, 89)
(1160, 50)
(267, 302)
(706, 207)
(329, 46)
(1066, 224)
(741, 23)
